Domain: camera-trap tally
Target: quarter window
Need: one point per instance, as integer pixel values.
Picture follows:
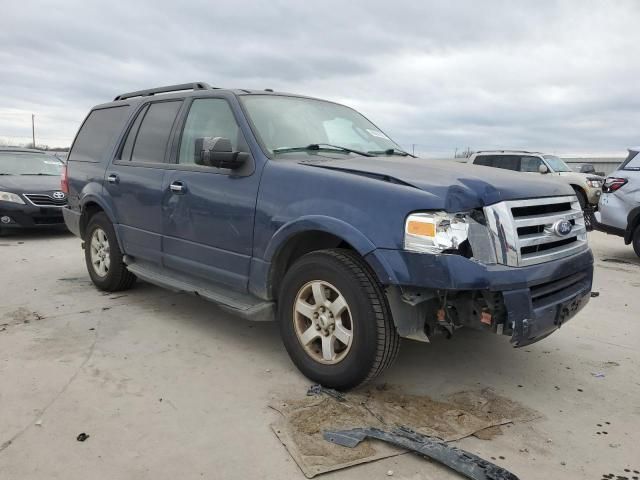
(97, 134)
(209, 117)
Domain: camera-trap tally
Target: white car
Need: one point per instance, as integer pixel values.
(619, 208)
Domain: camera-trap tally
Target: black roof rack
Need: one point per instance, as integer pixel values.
(505, 151)
(167, 89)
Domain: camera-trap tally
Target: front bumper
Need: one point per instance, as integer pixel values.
(593, 196)
(536, 299)
(30, 216)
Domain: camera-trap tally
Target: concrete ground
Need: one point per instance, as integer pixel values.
(168, 386)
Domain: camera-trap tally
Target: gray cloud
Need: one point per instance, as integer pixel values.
(559, 76)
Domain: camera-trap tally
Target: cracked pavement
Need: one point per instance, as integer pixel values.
(169, 386)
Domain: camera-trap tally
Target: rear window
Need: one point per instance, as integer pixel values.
(97, 134)
(632, 162)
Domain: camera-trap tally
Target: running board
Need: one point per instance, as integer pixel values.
(242, 304)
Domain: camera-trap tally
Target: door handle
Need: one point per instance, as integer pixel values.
(113, 178)
(178, 187)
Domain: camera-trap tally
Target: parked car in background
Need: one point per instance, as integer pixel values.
(30, 195)
(281, 206)
(619, 210)
(587, 186)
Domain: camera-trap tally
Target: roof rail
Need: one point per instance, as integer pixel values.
(167, 89)
(504, 151)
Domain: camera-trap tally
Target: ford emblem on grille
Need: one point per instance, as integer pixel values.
(563, 227)
(58, 195)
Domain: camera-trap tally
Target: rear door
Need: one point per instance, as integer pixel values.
(208, 211)
(134, 179)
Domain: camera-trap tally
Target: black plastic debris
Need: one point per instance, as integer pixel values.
(461, 461)
(82, 437)
(595, 294)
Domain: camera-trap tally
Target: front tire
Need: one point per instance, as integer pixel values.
(334, 319)
(103, 256)
(587, 210)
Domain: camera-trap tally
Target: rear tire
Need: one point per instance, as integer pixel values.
(636, 241)
(337, 346)
(103, 256)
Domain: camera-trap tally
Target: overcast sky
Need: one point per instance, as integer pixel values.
(557, 76)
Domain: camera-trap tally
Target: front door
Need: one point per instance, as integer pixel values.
(209, 212)
(134, 180)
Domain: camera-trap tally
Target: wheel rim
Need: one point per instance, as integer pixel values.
(323, 322)
(100, 252)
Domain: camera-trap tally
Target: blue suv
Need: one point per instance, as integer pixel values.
(281, 206)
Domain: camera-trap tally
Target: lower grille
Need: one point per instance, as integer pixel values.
(527, 232)
(44, 200)
(540, 294)
(48, 220)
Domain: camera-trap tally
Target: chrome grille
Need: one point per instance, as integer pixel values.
(44, 200)
(524, 231)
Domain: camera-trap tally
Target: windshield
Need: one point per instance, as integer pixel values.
(283, 123)
(17, 163)
(557, 164)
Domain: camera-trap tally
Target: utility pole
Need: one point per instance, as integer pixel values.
(413, 148)
(33, 130)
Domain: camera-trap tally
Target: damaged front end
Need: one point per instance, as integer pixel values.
(507, 271)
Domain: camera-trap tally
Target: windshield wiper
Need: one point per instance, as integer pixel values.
(391, 151)
(320, 146)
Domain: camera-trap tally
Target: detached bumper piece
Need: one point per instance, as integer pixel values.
(461, 461)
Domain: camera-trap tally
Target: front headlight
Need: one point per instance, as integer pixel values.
(594, 183)
(10, 197)
(435, 232)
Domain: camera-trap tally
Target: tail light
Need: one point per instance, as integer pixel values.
(612, 184)
(64, 180)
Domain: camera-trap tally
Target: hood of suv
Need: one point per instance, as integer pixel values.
(462, 185)
(29, 183)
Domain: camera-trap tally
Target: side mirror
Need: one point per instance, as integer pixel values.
(543, 168)
(217, 152)
(587, 168)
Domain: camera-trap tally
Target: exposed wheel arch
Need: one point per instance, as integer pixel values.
(295, 247)
(88, 210)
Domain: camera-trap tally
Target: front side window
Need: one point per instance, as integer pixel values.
(283, 122)
(148, 138)
(209, 117)
(18, 163)
(530, 164)
(97, 133)
(557, 164)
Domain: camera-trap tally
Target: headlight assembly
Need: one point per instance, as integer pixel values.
(10, 197)
(435, 232)
(594, 183)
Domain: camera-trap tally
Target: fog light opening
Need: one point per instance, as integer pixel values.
(4, 219)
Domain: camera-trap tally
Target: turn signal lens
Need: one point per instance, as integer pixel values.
(421, 228)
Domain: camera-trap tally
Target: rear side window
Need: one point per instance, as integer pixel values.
(507, 162)
(148, 138)
(96, 136)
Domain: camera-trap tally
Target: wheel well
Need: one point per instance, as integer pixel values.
(297, 246)
(579, 189)
(88, 211)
